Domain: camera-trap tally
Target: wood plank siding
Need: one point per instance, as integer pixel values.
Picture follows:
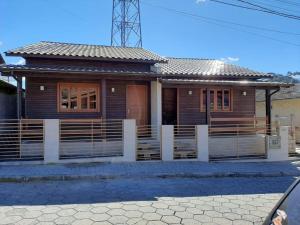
(43, 104)
(189, 105)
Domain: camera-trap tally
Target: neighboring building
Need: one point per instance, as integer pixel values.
(8, 98)
(285, 107)
(91, 81)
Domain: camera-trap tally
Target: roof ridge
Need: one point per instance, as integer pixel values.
(190, 58)
(70, 43)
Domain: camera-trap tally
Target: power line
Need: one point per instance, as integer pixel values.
(227, 22)
(269, 10)
(288, 2)
(206, 20)
(256, 9)
(276, 6)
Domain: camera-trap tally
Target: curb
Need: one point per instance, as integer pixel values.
(20, 179)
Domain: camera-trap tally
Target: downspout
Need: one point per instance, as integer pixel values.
(269, 109)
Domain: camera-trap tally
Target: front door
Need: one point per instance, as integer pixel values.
(137, 96)
(169, 106)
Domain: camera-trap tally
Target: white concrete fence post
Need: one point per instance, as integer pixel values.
(282, 153)
(51, 141)
(202, 143)
(129, 140)
(167, 142)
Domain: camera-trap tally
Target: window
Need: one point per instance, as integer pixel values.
(76, 97)
(220, 100)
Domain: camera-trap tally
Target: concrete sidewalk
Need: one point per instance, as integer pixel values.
(148, 170)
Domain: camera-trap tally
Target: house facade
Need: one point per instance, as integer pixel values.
(75, 81)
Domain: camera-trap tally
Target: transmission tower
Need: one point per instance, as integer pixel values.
(126, 24)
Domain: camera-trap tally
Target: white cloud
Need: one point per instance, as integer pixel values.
(20, 62)
(230, 59)
(200, 1)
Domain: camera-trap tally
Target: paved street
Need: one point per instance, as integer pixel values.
(141, 201)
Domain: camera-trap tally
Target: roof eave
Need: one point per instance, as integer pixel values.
(24, 55)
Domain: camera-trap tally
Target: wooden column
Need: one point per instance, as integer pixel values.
(19, 97)
(207, 106)
(268, 111)
(103, 98)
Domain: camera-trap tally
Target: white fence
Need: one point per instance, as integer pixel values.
(61, 141)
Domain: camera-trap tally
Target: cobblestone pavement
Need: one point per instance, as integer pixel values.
(141, 201)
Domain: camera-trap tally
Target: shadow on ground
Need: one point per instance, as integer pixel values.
(96, 191)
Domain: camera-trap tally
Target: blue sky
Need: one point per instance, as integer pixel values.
(164, 32)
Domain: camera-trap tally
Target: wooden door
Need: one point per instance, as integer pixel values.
(169, 106)
(137, 96)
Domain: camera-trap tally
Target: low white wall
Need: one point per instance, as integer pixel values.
(282, 153)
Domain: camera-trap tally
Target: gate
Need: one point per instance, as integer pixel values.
(185, 142)
(237, 141)
(90, 138)
(148, 143)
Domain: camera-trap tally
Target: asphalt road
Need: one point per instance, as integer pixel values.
(141, 201)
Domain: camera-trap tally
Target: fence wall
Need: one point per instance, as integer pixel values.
(64, 141)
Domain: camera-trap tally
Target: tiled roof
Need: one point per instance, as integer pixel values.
(86, 51)
(206, 67)
(74, 69)
(227, 82)
(284, 93)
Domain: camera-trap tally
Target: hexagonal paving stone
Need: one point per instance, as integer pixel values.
(102, 223)
(130, 207)
(47, 217)
(64, 220)
(165, 212)
(100, 217)
(158, 205)
(26, 222)
(16, 212)
(10, 220)
(147, 209)
(83, 215)
(156, 223)
(222, 221)
(184, 215)
(170, 219)
(116, 212)
(51, 209)
(189, 222)
(118, 220)
(83, 222)
(31, 214)
(203, 218)
(66, 212)
(151, 216)
(177, 208)
(133, 214)
(100, 209)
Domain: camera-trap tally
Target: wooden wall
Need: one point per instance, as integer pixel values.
(189, 105)
(43, 104)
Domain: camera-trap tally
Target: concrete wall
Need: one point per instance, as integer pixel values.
(8, 106)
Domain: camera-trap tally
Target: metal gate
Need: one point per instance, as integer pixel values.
(148, 142)
(237, 141)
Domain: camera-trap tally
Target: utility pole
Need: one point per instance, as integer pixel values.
(126, 24)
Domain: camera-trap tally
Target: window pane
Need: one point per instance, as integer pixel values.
(84, 99)
(64, 98)
(92, 96)
(226, 99)
(219, 100)
(73, 98)
(212, 98)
